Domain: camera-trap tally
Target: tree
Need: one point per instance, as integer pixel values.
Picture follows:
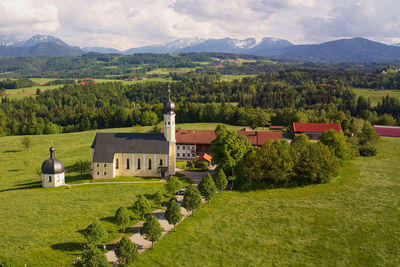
(220, 180)
(173, 214)
(126, 251)
(141, 206)
(173, 184)
(207, 187)
(228, 148)
(151, 230)
(93, 257)
(149, 118)
(158, 197)
(191, 199)
(82, 166)
(95, 233)
(337, 142)
(26, 142)
(122, 217)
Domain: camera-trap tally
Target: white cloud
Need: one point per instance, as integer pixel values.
(125, 23)
(21, 16)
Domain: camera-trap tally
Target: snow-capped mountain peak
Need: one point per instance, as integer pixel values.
(7, 40)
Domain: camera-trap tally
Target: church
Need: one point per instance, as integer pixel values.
(136, 154)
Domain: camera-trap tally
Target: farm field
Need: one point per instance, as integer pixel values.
(376, 95)
(353, 221)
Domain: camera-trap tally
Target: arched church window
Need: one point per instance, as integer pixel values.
(149, 164)
(117, 164)
(138, 164)
(161, 162)
(127, 164)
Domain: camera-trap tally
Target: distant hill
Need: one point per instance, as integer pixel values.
(101, 50)
(171, 47)
(42, 49)
(344, 50)
(40, 39)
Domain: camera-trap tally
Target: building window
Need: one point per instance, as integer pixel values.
(138, 164)
(183, 154)
(105, 173)
(49, 179)
(161, 162)
(97, 165)
(169, 123)
(117, 164)
(98, 173)
(127, 164)
(105, 164)
(183, 147)
(178, 154)
(178, 147)
(149, 164)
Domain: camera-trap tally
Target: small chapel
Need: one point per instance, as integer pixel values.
(136, 154)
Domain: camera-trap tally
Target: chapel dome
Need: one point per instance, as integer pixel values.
(52, 165)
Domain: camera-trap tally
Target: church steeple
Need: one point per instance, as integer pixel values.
(169, 119)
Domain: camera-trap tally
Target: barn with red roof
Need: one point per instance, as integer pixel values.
(314, 130)
(191, 143)
(383, 130)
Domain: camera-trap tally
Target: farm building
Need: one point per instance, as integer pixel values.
(136, 154)
(382, 130)
(314, 130)
(192, 143)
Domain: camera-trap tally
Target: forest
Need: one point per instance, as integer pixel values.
(277, 98)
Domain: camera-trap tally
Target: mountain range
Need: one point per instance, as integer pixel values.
(343, 50)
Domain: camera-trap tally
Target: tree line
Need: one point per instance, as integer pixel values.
(253, 101)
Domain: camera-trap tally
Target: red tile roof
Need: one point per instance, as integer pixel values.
(194, 136)
(382, 130)
(316, 127)
(205, 156)
(256, 138)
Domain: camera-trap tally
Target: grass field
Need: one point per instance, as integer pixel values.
(376, 95)
(353, 221)
(40, 226)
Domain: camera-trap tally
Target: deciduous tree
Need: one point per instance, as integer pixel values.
(122, 217)
(173, 214)
(207, 187)
(92, 256)
(191, 199)
(141, 206)
(151, 230)
(220, 180)
(173, 184)
(126, 251)
(95, 233)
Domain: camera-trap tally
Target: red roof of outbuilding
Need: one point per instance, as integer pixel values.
(316, 127)
(382, 130)
(256, 138)
(205, 156)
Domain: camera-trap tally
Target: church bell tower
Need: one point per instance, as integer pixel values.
(169, 132)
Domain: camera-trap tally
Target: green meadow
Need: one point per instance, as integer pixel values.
(376, 95)
(354, 220)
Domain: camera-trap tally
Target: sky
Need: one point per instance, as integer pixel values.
(124, 24)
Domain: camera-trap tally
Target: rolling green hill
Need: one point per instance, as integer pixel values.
(354, 220)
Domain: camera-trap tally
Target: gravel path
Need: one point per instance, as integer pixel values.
(142, 243)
